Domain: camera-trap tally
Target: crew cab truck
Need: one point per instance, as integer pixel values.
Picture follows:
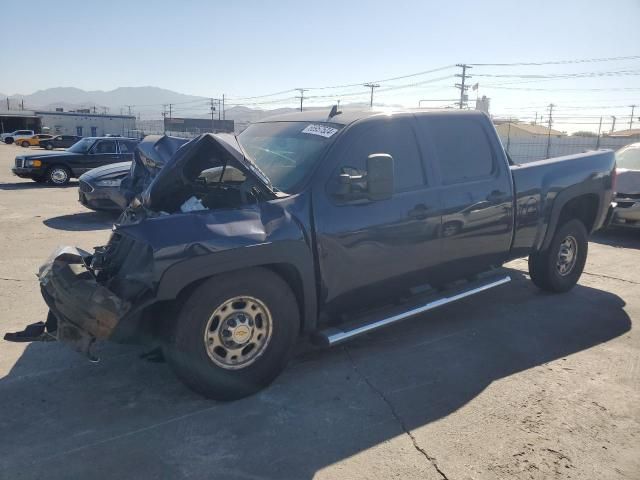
(328, 226)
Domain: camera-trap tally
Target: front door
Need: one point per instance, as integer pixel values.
(103, 152)
(376, 249)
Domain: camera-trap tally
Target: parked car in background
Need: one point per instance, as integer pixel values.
(17, 134)
(34, 140)
(85, 155)
(627, 210)
(60, 141)
(112, 187)
(327, 226)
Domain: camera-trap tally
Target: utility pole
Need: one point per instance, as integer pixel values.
(8, 105)
(633, 107)
(94, 109)
(535, 122)
(164, 117)
(462, 86)
(22, 107)
(599, 130)
(223, 106)
(551, 105)
(129, 107)
(213, 109)
(371, 86)
(170, 111)
(301, 97)
(613, 125)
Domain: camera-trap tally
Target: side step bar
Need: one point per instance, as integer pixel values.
(335, 335)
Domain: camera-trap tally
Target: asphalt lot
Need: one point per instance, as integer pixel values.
(511, 384)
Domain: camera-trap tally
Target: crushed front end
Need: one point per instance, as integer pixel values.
(99, 295)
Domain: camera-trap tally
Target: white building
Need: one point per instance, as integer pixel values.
(86, 124)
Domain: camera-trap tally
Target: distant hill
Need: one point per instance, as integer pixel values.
(145, 101)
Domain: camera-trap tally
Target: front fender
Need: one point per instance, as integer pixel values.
(191, 247)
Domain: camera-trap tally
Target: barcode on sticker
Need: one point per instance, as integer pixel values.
(322, 130)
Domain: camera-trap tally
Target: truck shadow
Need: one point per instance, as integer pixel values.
(125, 417)
(618, 237)
(84, 221)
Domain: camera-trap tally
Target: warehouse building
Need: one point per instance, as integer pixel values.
(86, 124)
(196, 126)
(82, 123)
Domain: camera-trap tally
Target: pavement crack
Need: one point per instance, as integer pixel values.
(7, 279)
(610, 277)
(396, 416)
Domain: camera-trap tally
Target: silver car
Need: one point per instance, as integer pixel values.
(627, 211)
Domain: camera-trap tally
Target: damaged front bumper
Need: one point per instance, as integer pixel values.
(85, 309)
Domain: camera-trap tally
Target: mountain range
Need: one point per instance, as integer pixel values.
(147, 102)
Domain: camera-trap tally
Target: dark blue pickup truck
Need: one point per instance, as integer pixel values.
(326, 226)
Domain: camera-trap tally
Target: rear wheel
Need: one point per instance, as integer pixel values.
(48, 146)
(558, 268)
(234, 334)
(25, 144)
(58, 175)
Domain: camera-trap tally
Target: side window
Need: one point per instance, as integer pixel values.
(105, 146)
(462, 147)
(396, 138)
(126, 147)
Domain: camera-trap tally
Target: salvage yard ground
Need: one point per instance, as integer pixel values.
(514, 383)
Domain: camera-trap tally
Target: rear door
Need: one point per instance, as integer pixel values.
(126, 149)
(376, 249)
(475, 192)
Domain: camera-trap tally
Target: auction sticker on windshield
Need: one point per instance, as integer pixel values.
(321, 130)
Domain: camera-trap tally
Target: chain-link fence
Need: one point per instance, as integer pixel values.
(529, 149)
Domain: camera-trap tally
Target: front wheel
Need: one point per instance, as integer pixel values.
(558, 268)
(58, 175)
(48, 146)
(25, 144)
(234, 334)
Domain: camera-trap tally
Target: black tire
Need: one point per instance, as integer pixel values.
(48, 146)
(189, 357)
(58, 175)
(25, 144)
(544, 267)
(8, 140)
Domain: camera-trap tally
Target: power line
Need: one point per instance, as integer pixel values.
(556, 62)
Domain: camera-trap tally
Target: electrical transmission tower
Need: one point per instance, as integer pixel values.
(462, 86)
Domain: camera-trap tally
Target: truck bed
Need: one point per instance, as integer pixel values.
(544, 187)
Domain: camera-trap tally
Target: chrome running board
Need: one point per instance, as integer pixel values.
(341, 333)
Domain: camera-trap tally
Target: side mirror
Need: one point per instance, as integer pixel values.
(380, 176)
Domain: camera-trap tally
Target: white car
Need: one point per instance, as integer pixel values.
(16, 135)
(627, 210)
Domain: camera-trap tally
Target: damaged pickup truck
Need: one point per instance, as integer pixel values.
(326, 226)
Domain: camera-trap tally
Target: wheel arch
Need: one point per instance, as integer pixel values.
(290, 262)
(584, 205)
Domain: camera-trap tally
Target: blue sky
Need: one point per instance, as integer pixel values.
(255, 47)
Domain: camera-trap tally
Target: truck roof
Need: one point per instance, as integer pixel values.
(349, 116)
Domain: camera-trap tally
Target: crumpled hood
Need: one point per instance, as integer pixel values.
(628, 181)
(207, 150)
